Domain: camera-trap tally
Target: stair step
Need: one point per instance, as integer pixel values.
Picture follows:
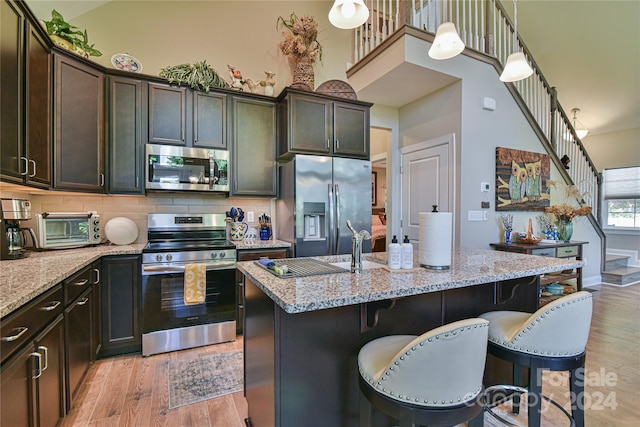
(621, 276)
(616, 261)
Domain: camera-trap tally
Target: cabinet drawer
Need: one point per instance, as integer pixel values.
(550, 252)
(21, 326)
(77, 284)
(250, 255)
(567, 251)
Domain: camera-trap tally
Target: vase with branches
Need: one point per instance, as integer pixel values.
(301, 46)
(564, 213)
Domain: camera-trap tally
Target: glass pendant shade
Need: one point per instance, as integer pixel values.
(447, 43)
(517, 68)
(348, 14)
(582, 133)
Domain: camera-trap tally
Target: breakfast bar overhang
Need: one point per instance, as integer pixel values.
(302, 335)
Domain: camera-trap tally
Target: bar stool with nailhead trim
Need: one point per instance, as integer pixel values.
(431, 379)
(553, 338)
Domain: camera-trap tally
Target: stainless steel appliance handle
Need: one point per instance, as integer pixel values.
(179, 268)
(211, 170)
(337, 220)
(331, 217)
(67, 215)
(33, 236)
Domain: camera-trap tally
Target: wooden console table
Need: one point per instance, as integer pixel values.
(556, 250)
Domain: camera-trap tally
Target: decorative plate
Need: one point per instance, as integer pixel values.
(125, 62)
(337, 88)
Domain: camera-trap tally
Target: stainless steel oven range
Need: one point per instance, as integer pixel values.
(175, 241)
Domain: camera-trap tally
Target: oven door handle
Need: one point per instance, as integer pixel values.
(179, 268)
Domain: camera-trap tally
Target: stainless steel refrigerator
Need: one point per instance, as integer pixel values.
(318, 195)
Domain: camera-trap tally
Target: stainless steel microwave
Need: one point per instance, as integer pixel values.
(177, 168)
(64, 230)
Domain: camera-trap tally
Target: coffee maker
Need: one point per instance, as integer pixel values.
(13, 238)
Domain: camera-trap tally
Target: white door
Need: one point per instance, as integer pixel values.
(426, 181)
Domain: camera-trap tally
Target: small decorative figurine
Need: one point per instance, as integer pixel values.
(268, 83)
(236, 77)
(253, 86)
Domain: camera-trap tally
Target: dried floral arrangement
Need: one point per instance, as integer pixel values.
(566, 211)
(302, 39)
(507, 221)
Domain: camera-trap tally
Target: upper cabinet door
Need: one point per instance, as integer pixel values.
(313, 123)
(351, 130)
(79, 126)
(38, 109)
(309, 125)
(209, 120)
(167, 114)
(125, 135)
(253, 132)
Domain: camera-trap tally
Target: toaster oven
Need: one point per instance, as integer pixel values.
(64, 230)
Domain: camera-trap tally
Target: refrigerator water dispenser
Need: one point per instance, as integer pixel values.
(313, 220)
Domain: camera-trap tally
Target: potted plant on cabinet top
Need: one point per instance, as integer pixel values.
(69, 36)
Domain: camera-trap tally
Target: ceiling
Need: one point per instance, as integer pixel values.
(588, 49)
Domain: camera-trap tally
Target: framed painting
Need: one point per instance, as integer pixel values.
(374, 188)
(521, 180)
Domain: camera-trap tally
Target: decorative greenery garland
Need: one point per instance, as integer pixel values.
(199, 76)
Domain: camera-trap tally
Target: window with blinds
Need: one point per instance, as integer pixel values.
(621, 191)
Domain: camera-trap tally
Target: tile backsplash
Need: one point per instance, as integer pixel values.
(134, 207)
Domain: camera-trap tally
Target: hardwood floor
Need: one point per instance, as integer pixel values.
(132, 390)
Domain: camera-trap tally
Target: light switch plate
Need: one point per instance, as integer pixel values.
(250, 217)
(475, 216)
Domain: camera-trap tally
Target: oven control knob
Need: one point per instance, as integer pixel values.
(159, 258)
(169, 257)
(214, 255)
(223, 254)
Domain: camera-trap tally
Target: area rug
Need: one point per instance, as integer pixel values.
(205, 377)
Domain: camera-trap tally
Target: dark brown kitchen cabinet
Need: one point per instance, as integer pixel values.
(209, 120)
(78, 329)
(96, 335)
(79, 126)
(25, 119)
(253, 141)
(120, 285)
(251, 255)
(126, 150)
(32, 375)
(320, 124)
(167, 114)
(181, 116)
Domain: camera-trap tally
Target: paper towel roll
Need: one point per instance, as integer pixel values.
(434, 233)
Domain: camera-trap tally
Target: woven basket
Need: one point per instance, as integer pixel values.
(303, 73)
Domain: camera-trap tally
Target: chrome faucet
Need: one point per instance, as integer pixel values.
(356, 247)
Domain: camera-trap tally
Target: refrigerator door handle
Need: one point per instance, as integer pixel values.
(337, 220)
(331, 234)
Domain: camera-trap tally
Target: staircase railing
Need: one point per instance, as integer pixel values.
(485, 27)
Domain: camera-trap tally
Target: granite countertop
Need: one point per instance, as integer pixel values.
(469, 267)
(24, 279)
(260, 244)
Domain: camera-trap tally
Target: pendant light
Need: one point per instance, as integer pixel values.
(348, 14)
(447, 43)
(517, 67)
(582, 132)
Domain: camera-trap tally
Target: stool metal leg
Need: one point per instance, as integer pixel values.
(576, 384)
(366, 410)
(535, 396)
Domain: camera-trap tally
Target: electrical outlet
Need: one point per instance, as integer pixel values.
(250, 217)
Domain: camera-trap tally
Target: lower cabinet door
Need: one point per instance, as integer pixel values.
(78, 342)
(16, 391)
(50, 407)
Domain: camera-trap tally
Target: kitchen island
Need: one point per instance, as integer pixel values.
(302, 335)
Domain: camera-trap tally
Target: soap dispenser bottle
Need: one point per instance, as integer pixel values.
(394, 255)
(407, 254)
